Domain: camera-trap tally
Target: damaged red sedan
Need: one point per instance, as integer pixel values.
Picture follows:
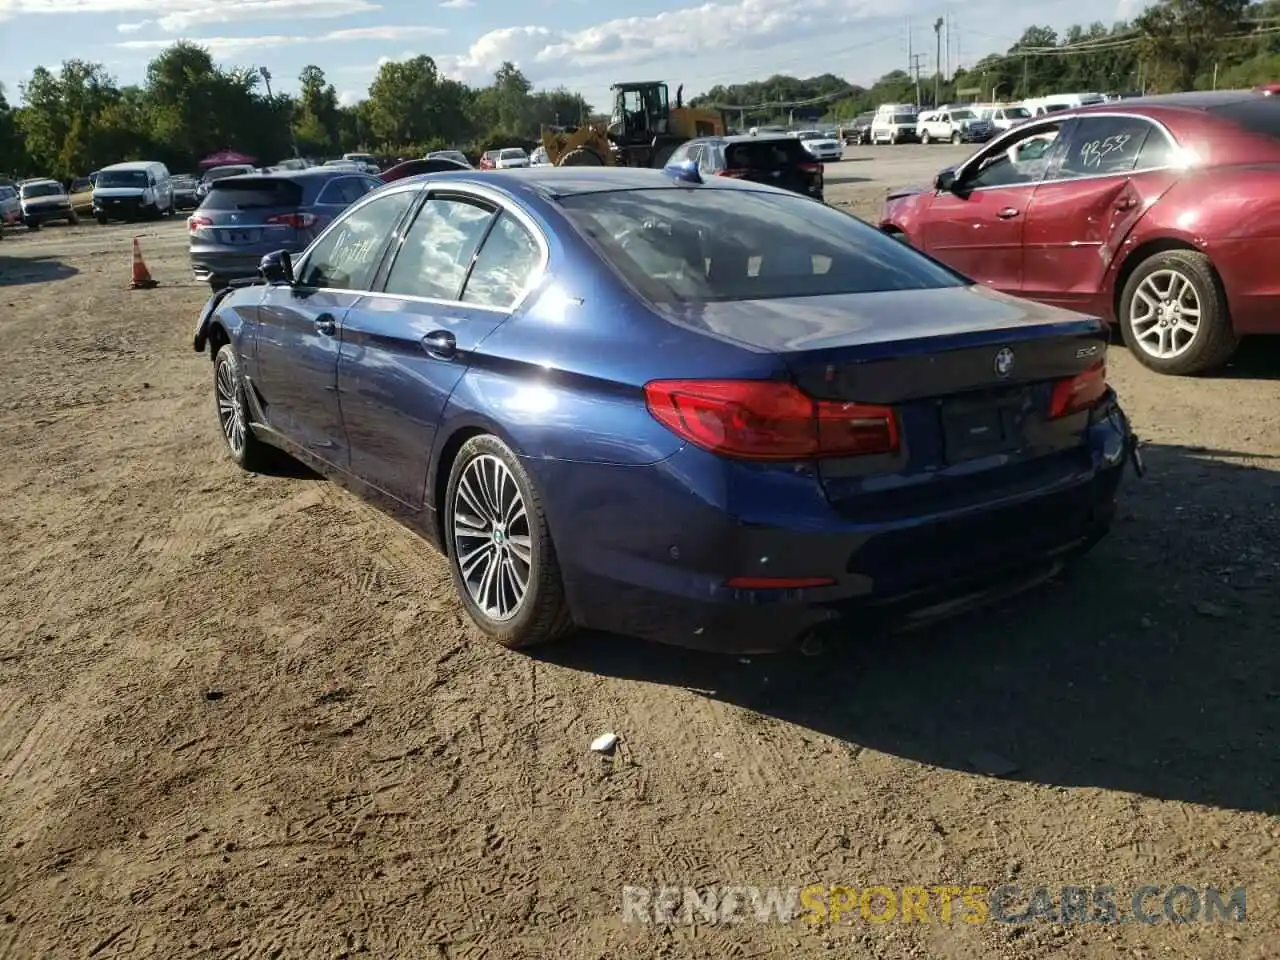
(1161, 214)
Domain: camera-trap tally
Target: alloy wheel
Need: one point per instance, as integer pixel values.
(1164, 314)
(230, 407)
(491, 537)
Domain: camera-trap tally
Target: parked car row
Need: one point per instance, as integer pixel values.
(1156, 214)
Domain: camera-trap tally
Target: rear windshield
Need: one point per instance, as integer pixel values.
(690, 246)
(1256, 115)
(41, 190)
(1055, 107)
(903, 118)
(1017, 113)
(121, 178)
(962, 115)
(765, 154)
(515, 154)
(252, 193)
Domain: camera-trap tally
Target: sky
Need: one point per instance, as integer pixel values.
(583, 45)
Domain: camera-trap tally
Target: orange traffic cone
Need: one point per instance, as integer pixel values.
(141, 275)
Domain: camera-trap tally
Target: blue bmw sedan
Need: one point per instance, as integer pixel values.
(706, 412)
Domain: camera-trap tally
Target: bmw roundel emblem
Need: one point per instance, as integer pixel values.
(1004, 362)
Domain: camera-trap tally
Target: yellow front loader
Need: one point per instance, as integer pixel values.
(644, 130)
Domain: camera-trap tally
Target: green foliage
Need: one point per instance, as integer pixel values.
(77, 119)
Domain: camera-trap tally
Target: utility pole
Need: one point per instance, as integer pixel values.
(917, 60)
(948, 30)
(911, 61)
(937, 62)
(1026, 90)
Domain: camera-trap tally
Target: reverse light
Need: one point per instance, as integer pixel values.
(769, 420)
(298, 221)
(1073, 394)
(195, 223)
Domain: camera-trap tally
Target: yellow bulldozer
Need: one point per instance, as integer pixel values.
(643, 131)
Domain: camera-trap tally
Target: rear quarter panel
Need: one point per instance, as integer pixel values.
(563, 378)
(1232, 215)
(906, 213)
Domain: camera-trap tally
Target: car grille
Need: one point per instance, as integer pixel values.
(119, 204)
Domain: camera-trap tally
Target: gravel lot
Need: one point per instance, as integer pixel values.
(242, 717)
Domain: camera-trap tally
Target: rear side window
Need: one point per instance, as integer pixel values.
(1260, 115)
(252, 194)
(689, 246)
(505, 265)
(765, 154)
(438, 248)
(1108, 145)
(343, 190)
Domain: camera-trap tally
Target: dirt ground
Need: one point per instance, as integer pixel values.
(242, 716)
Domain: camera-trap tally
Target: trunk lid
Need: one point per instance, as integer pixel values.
(248, 212)
(969, 373)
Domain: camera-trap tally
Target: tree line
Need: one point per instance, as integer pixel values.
(78, 119)
(1173, 45)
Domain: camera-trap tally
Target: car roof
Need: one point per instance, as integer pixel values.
(132, 165)
(1194, 100)
(752, 137)
(555, 182)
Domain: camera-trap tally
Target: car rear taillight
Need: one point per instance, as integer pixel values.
(734, 172)
(195, 223)
(1073, 394)
(298, 221)
(769, 420)
(811, 167)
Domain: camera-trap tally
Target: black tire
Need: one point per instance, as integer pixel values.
(662, 154)
(102, 220)
(251, 454)
(1213, 342)
(74, 219)
(924, 138)
(956, 138)
(542, 614)
(33, 224)
(581, 157)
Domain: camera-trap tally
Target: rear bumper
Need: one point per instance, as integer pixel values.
(651, 558)
(229, 265)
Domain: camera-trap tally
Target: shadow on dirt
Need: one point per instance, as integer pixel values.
(1258, 358)
(1153, 668)
(16, 271)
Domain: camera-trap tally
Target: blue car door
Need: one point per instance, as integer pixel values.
(299, 327)
(460, 269)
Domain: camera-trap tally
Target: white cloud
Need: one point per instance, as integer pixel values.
(384, 33)
(711, 28)
(182, 15)
(132, 27)
(349, 98)
(221, 47)
(457, 4)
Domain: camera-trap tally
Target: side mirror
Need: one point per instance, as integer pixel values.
(277, 267)
(944, 181)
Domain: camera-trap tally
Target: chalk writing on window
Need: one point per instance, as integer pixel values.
(1093, 153)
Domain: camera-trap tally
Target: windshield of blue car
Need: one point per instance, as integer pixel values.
(121, 178)
(701, 245)
(252, 193)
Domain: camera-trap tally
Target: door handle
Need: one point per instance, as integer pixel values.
(440, 344)
(1008, 213)
(326, 325)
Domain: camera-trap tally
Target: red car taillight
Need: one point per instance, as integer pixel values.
(733, 172)
(768, 420)
(195, 223)
(811, 167)
(1073, 394)
(299, 221)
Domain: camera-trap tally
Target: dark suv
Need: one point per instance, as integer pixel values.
(858, 131)
(242, 218)
(780, 161)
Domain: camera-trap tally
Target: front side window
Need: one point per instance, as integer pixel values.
(505, 265)
(347, 256)
(437, 249)
(682, 246)
(1019, 162)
